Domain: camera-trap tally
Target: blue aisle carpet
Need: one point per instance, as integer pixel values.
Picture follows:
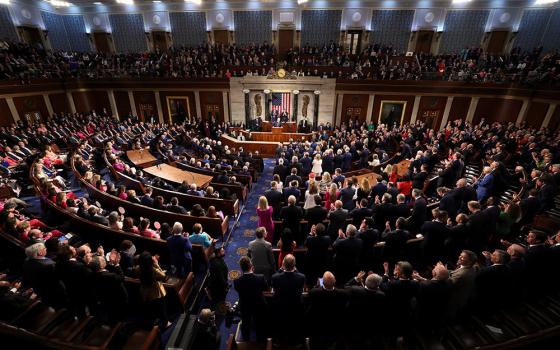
(242, 235)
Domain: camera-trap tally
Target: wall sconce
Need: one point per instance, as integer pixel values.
(317, 92)
(246, 91)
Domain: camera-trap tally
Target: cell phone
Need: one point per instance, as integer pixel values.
(320, 282)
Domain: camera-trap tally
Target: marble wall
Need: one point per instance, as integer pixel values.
(306, 86)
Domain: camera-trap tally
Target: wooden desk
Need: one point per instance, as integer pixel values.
(266, 149)
(275, 136)
(142, 159)
(286, 127)
(371, 176)
(176, 175)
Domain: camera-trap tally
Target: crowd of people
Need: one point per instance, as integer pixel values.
(25, 62)
(352, 237)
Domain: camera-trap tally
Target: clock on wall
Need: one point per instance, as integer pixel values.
(281, 73)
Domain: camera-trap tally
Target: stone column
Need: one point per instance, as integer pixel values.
(158, 107)
(522, 112)
(472, 109)
(548, 116)
(295, 106)
(446, 111)
(132, 104)
(13, 109)
(113, 104)
(71, 102)
(49, 105)
(226, 106)
(247, 109)
(316, 109)
(369, 112)
(267, 99)
(197, 105)
(415, 108)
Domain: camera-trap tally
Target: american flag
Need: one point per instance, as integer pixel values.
(281, 102)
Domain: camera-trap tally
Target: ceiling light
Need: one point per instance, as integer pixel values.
(545, 2)
(156, 1)
(125, 2)
(195, 2)
(300, 2)
(460, 1)
(59, 3)
(5, 2)
(98, 3)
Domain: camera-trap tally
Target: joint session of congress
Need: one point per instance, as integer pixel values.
(280, 174)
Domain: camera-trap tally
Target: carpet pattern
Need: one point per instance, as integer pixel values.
(243, 233)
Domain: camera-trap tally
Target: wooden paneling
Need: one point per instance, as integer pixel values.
(285, 40)
(377, 105)
(221, 36)
(354, 106)
(86, 101)
(123, 103)
(188, 94)
(554, 123)
(60, 103)
(536, 113)
(497, 41)
(431, 109)
(101, 41)
(459, 108)
(145, 102)
(212, 102)
(497, 110)
(31, 104)
(424, 41)
(5, 113)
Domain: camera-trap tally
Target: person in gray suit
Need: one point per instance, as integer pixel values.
(462, 282)
(260, 252)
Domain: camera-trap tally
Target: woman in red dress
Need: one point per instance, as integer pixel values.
(264, 212)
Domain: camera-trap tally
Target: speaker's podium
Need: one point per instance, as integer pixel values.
(288, 127)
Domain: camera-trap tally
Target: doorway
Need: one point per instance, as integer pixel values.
(159, 40)
(221, 36)
(352, 113)
(424, 41)
(497, 41)
(101, 41)
(31, 35)
(353, 41)
(285, 41)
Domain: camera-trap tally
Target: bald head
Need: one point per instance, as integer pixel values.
(373, 281)
(289, 263)
(440, 273)
(328, 280)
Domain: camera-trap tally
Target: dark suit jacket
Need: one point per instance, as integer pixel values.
(432, 299)
(359, 214)
(291, 191)
(177, 209)
(418, 180)
(347, 198)
(291, 216)
(493, 286)
(360, 299)
(325, 310)
(419, 214)
(317, 256)
(449, 204)
(316, 215)
(395, 241)
(400, 294)
(147, 201)
(347, 255)
(250, 288)
(274, 200)
(282, 171)
(337, 220)
(291, 178)
(288, 287)
(40, 274)
(435, 233)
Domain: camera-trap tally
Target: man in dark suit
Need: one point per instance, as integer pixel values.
(292, 190)
(316, 214)
(433, 296)
(281, 170)
(294, 177)
(400, 289)
(347, 196)
(419, 178)
(419, 211)
(347, 249)
(94, 215)
(39, 273)
(463, 194)
(435, 233)
(274, 198)
(361, 212)
(447, 202)
(395, 241)
(317, 255)
(383, 211)
(369, 236)
(337, 218)
(180, 251)
(379, 189)
(291, 216)
(250, 288)
(326, 307)
(306, 164)
(109, 289)
(175, 207)
(365, 295)
(288, 305)
(478, 227)
(538, 261)
(147, 199)
(494, 282)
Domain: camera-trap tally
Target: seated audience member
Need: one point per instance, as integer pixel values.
(109, 290)
(175, 207)
(200, 237)
(145, 229)
(147, 199)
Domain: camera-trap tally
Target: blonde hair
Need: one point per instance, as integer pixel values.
(388, 169)
(263, 203)
(326, 177)
(317, 156)
(365, 186)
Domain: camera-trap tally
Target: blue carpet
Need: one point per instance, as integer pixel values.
(242, 235)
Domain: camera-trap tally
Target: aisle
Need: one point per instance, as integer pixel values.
(243, 234)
